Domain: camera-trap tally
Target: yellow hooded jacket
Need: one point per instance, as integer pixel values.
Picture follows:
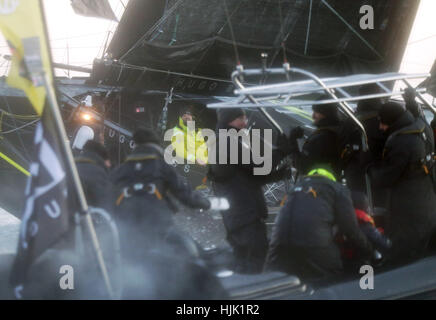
(189, 144)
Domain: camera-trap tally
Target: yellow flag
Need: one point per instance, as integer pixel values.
(22, 25)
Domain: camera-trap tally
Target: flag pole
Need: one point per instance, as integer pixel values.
(71, 165)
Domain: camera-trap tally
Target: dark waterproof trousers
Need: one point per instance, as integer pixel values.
(306, 262)
(250, 246)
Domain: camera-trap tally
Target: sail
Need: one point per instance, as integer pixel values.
(94, 8)
(209, 38)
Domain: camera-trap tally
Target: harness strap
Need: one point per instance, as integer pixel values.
(282, 203)
(141, 157)
(425, 169)
(313, 192)
(120, 199)
(158, 194)
(137, 188)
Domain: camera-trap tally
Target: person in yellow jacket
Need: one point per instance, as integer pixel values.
(188, 142)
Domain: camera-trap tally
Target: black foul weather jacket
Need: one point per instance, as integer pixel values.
(245, 220)
(238, 183)
(322, 147)
(412, 203)
(95, 181)
(142, 183)
(306, 227)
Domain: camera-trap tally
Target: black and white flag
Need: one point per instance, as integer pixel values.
(94, 8)
(47, 215)
(49, 208)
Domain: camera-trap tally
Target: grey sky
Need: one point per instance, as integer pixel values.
(83, 37)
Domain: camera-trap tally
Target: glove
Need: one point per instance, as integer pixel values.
(377, 256)
(219, 203)
(296, 133)
(377, 259)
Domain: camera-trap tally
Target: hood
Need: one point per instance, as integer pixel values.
(406, 120)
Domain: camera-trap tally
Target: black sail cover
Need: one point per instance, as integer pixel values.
(207, 38)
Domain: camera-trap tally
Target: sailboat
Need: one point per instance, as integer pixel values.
(270, 57)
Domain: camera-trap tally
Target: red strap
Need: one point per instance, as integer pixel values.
(362, 216)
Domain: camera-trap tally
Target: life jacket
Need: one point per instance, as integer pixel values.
(322, 172)
(363, 217)
(319, 172)
(188, 144)
(348, 252)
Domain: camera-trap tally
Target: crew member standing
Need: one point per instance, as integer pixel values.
(356, 161)
(245, 220)
(403, 170)
(323, 145)
(143, 182)
(93, 167)
(188, 142)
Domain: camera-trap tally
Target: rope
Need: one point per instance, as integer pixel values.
(19, 128)
(14, 164)
(19, 116)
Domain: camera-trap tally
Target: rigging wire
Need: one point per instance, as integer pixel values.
(160, 29)
(152, 29)
(15, 124)
(108, 31)
(421, 40)
(308, 28)
(135, 67)
(352, 29)
(238, 61)
(217, 35)
(282, 43)
(282, 30)
(119, 122)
